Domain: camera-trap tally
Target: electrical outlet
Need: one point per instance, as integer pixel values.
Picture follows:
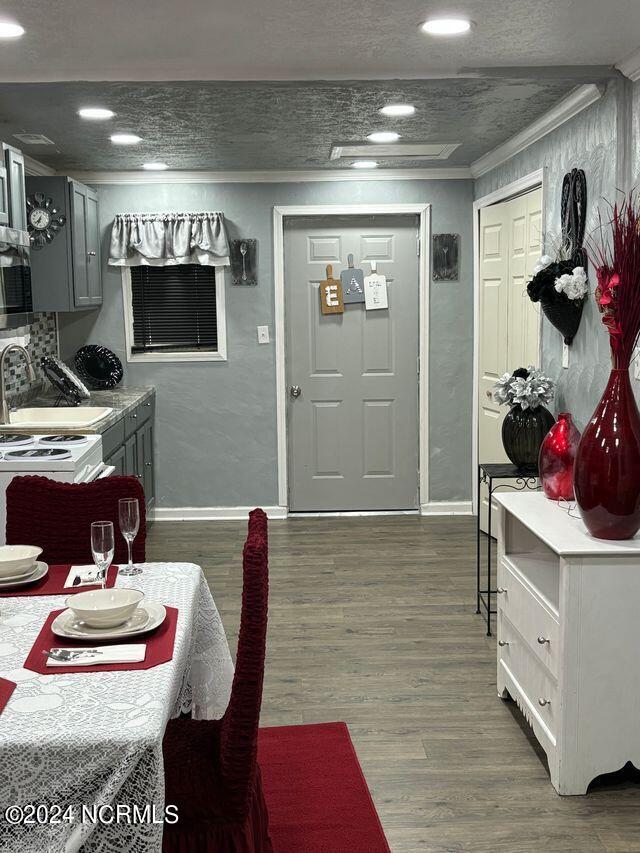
(565, 355)
(263, 334)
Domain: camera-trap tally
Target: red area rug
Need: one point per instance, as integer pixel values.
(316, 793)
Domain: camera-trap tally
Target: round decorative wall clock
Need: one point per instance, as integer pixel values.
(44, 220)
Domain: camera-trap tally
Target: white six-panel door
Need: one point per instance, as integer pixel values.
(509, 323)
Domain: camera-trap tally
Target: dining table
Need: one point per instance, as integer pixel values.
(85, 748)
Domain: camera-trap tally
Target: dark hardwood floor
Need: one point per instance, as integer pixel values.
(372, 622)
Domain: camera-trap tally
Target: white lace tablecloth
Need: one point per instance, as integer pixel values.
(95, 739)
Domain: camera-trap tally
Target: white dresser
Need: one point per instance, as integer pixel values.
(569, 638)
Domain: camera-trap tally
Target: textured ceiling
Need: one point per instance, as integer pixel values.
(237, 126)
(304, 39)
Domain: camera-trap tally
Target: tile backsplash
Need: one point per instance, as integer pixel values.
(43, 341)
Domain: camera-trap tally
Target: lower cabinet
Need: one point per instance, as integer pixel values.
(128, 446)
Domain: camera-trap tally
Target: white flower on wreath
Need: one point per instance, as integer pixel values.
(542, 264)
(573, 284)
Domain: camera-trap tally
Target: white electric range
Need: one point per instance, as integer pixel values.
(67, 458)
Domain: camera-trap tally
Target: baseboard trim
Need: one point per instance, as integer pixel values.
(446, 508)
(213, 513)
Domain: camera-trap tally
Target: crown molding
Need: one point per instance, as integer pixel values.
(35, 167)
(273, 177)
(568, 107)
(630, 66)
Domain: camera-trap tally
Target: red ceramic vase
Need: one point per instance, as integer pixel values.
(557, 455)
(606, 472)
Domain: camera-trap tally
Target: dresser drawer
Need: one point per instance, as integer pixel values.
(527, 611)
(537, 687)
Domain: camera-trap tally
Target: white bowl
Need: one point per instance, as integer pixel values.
(16, 559)
(105, 608)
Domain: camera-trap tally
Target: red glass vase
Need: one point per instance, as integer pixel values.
(557, 456)
(606, 472)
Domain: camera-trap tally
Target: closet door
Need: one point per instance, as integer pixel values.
(509, 323)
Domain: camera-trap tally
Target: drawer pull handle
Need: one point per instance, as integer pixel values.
(501, 590)
(544, 702)
(543, 640)
(502, 643)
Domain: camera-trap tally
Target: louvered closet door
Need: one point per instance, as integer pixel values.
(509, 323)
(353, 431)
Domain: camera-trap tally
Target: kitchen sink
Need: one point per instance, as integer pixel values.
(57, 418)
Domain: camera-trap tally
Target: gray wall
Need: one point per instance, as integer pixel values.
(216, 423)
(635, 134)
(590, 142)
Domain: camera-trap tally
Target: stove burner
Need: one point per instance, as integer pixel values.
(15, 438)
(63, 439)
(38, 453)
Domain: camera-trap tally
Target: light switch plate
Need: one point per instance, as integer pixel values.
(565, 355)
(263, 334)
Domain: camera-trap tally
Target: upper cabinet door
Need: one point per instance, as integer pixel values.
(78, 201)
(94, 278)
(17, 199)
(4, 197)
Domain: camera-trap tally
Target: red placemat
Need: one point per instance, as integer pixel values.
(6, 689)
(159, 647)
(53, 584)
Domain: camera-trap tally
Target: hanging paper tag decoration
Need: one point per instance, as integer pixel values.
(331, 294)
(352, 283)
(375, 290)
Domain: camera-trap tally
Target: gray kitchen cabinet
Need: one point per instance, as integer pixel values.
(4, 196)
(119, 461)
(128, 446)
(65, 273)
(14, 164)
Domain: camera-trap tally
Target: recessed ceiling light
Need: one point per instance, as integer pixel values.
(125, 139)
(365, 164)
(155, 167)
(398, 110)
(95, 113)
(446, 26)
(9, 30)
(383, 136)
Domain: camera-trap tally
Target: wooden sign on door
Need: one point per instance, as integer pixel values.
(331, 301)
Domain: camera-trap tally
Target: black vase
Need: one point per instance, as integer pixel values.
(523, 431)
(565, 314)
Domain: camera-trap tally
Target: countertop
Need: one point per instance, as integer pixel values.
(122, 400)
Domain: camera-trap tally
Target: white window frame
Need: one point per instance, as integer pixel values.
(147, 357)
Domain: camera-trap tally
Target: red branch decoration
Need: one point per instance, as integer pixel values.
(617, 263)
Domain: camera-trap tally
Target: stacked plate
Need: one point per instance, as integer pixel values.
(19, 566)
(147, 617)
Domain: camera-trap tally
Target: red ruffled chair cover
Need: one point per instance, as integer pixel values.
(57, 516)
(211, 768)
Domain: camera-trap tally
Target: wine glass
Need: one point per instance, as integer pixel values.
(102, 548)
(129, 514)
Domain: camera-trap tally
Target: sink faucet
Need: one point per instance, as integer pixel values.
(4, 417)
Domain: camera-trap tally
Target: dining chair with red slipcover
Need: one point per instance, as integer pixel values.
(212, 774)
(57, 516)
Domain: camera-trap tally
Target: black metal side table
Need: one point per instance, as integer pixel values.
(487, 473)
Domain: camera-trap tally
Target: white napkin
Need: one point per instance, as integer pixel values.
(107, 654)
(88, 576)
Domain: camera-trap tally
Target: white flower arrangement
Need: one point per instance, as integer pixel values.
(528, 392)
(574, 284)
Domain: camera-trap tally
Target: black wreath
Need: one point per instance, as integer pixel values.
(562, 312)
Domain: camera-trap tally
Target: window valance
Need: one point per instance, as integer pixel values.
(168, 239)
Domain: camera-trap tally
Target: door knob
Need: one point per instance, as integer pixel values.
(295, 391)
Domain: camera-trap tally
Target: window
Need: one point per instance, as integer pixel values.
(175, 313)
